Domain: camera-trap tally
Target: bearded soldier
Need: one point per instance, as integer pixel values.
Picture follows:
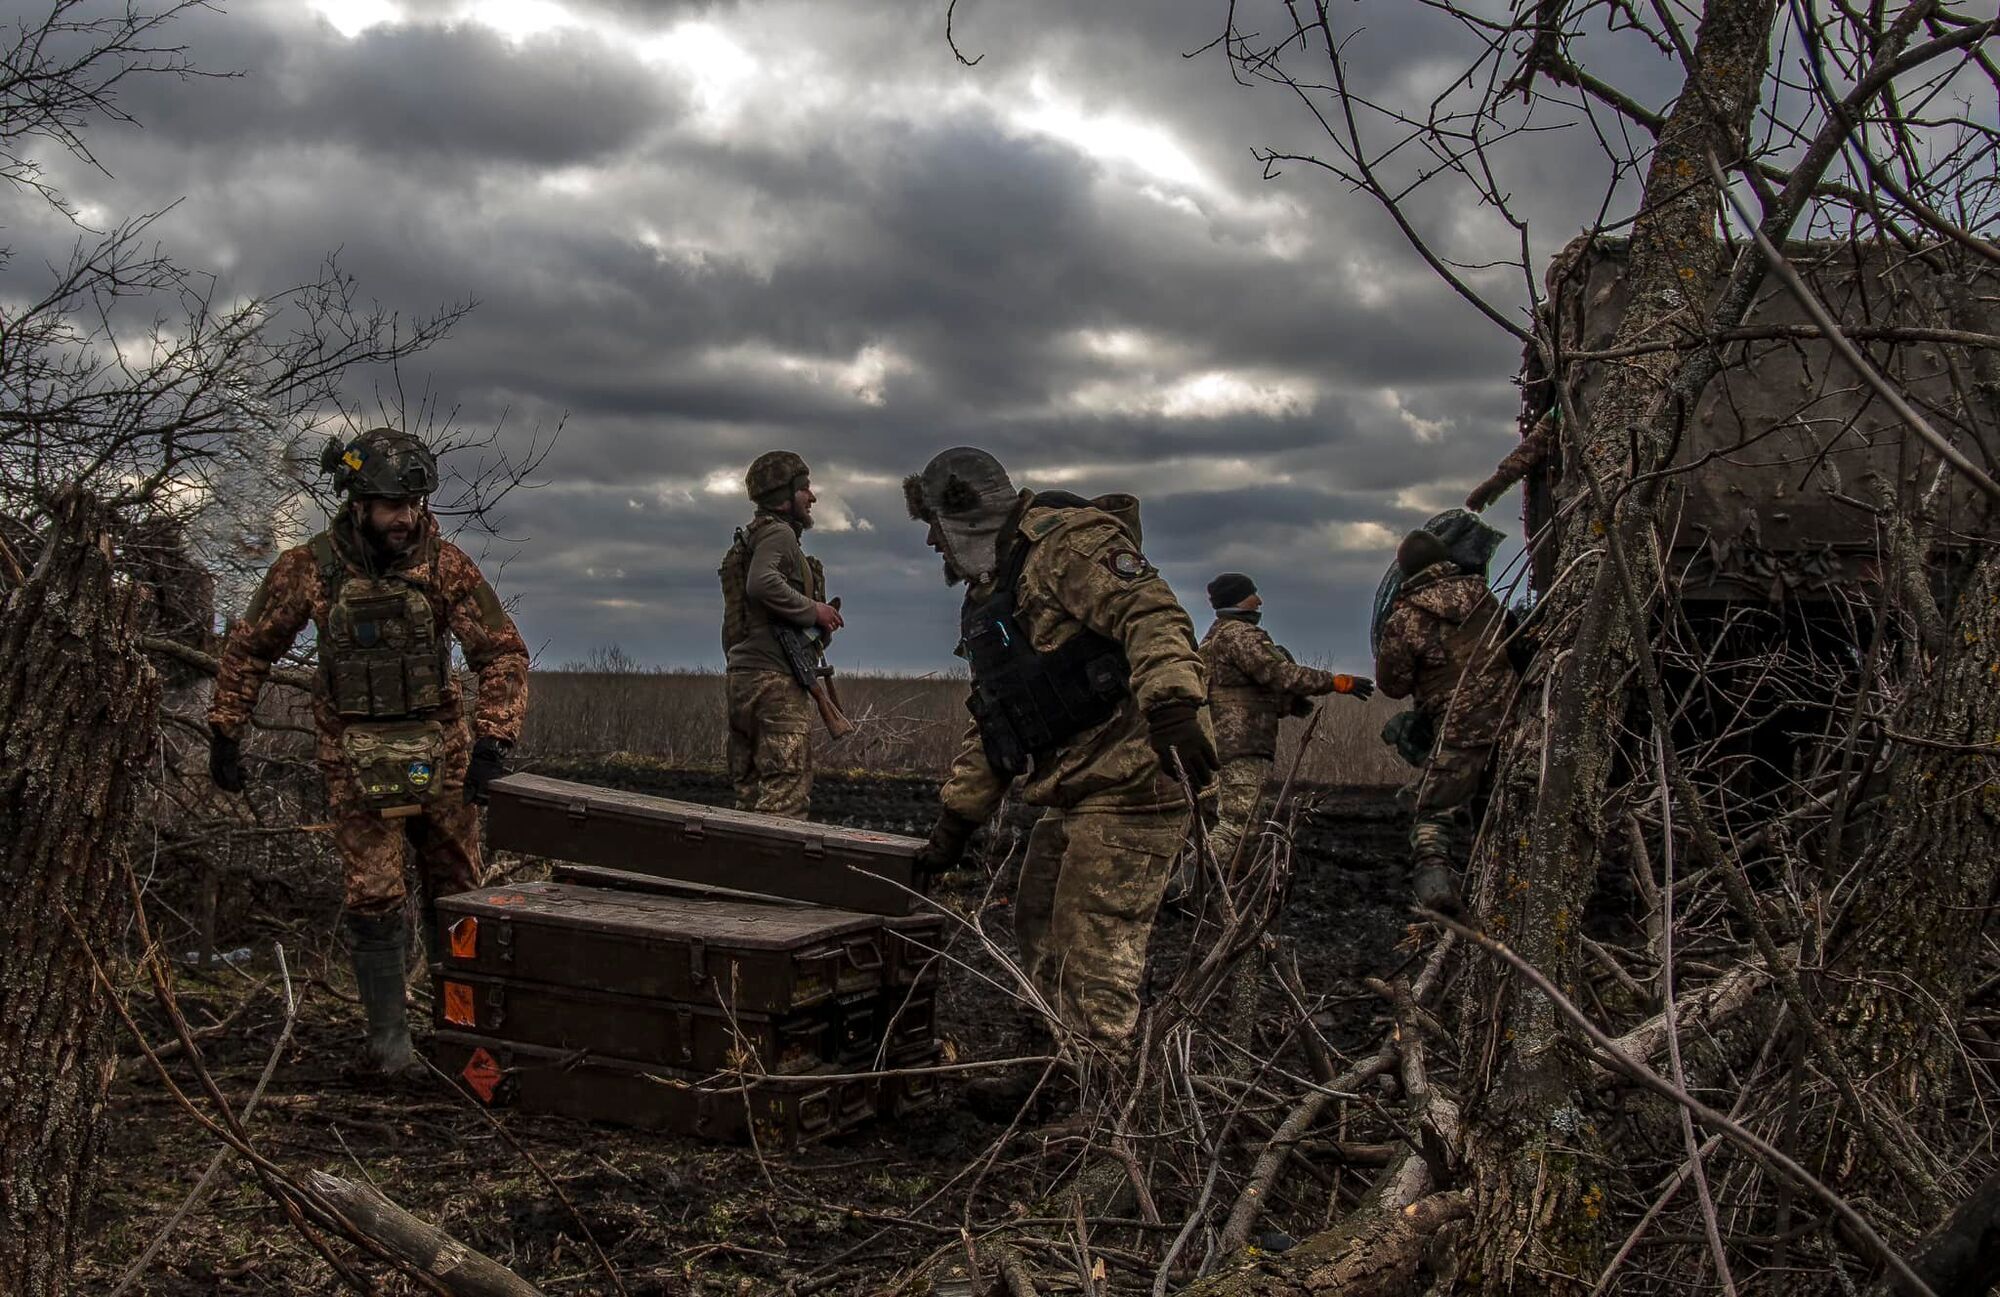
(1445, 644)
(1252, 683)
(387, 595)
(1087, 682)
(767, 580)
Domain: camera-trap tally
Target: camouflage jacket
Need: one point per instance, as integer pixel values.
(1252, 684)
(782, 583)
(462, 602)
(1085, 572)
(1443, 644)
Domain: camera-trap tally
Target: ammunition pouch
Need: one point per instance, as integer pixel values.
(398, 766)
(383, 656)
(1027, 702)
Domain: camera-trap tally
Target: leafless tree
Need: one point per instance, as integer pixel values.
(154, 429)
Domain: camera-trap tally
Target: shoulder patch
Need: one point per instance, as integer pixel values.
(1128, 564)
(491, 614)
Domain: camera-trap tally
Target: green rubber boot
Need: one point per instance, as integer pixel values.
(380, 947)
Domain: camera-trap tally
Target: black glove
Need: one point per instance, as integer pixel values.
(489, 762)
(225, 762)
(1357, 687)
(1300, 706)
(946, 845)
(1176, 727)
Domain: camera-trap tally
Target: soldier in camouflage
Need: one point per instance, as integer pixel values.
(1252, 684)
(1087, 684)
(768, 578)
(387, 595)
(1444, 644)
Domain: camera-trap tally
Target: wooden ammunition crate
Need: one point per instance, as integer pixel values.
(779, 1112)
(822, 863)
(747, 958)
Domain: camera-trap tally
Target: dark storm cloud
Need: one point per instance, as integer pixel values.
(701, 230)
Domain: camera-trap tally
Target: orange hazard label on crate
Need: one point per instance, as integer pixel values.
(458, 1006)
(465, 938)
(482, 1075)
(507, 898)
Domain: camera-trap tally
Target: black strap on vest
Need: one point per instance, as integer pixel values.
(1027, 702)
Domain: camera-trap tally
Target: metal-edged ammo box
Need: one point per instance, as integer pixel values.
(778, 1112)
(825, 864)
(726, 954)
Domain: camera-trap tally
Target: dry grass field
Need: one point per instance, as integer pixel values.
(905, 724)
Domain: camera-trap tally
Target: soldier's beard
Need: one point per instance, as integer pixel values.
(389, 542)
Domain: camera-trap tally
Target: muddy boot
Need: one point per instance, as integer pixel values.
(1435, 884)
(380, 947)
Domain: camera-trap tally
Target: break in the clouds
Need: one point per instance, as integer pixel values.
(705, 230)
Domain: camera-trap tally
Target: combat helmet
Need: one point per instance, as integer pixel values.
(774, 476)
(381, 463)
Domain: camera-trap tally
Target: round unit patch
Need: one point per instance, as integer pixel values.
(1128, 563)
(420, 774)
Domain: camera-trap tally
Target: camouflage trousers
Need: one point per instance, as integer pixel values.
(770, 743)
(1239, 797)
(375, 850)
(1090, 885)
(1446, 801)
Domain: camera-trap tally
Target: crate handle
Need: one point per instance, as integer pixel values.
(815, 1111)
(860, 944)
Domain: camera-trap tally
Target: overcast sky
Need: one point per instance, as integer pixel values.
(702, 231)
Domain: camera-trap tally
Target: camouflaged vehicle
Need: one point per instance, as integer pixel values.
(1775, 504)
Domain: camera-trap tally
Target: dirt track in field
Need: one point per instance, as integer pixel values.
(676, 1216)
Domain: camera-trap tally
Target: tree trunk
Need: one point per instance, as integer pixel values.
(1536, 1214)
(77, 708)
(1911, 938)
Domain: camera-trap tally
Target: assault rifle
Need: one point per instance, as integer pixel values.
(802, 649)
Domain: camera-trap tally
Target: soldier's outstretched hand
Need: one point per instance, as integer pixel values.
(1358, 687)
(225, 762)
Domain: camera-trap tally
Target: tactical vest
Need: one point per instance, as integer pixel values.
(382, 655)
(737, 623)
(1027, 702)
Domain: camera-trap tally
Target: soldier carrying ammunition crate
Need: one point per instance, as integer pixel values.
(1086, 681)
(769, 582)
(387, 594)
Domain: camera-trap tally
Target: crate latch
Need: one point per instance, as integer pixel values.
(698, 961)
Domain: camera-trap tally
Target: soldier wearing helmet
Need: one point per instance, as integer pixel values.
(1088, 686)
(769, 579)
(387, 595)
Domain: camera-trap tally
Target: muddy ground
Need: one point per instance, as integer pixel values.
(850, 1215)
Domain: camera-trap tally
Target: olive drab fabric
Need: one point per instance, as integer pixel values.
(766, 576)
(1084, 573)
(1098, 861)
(1443, 645)
(381, 652)
(381, 463)
(1239, 803)
(1091, 882)
(774, 476)
(1252, 685)
(769, 747)
(362, 748)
